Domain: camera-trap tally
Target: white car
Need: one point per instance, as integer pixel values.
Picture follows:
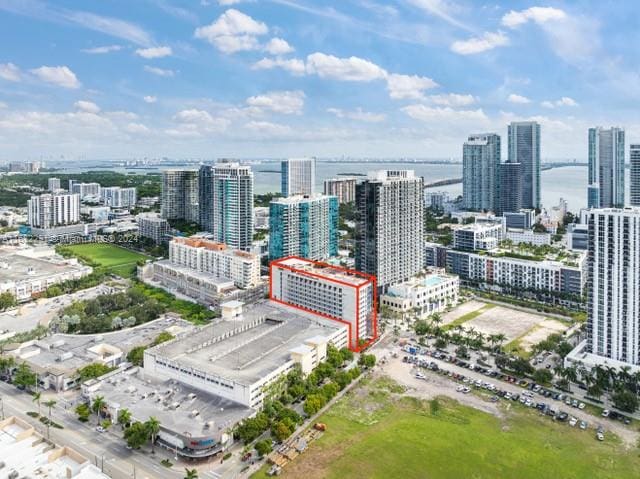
(581, 405)
(100, 429)
(573, 421)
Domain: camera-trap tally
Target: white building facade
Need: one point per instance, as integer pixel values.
(118, 197)
(51, 210)
(298, 176)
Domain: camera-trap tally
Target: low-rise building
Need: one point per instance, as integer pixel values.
(435, 255)
(517, 236)
(522, 219)
(478, 236)
(330, 291)
(423, 295)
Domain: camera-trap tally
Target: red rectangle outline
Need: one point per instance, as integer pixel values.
(369, 279)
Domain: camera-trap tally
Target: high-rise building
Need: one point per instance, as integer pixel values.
(153, 227)
(226, 203)
(613, 285)
(84, 189)
(481, 172)
(524, 148)
(343, 188)
(118, 197)
(53, 184)
(304, 226)
(510, 187)
(606, 168)
(298, 176)
(51, 210)
(180, 195)
(390, 225)
(634, 158)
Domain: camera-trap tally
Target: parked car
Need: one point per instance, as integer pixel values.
(606, 413)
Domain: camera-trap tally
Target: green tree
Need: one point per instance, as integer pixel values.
(263, 447)
(83, 411)
(7, 363)
(625, 400)
(124, 417)
(93, 371)
(98, 405)
(24, 376)
(163, 337)
(36, 399)
(542, 376)
(313, 404)
(50, 403)
(153, 426)
(136, 435)
(281, 430)
(136, 355)
(367, 360)
(7, 300)
(190, 473)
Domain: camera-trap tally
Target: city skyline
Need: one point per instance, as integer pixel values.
(308, 79)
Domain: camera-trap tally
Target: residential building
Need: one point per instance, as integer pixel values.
(117, 197)
(304, 226)
(51, 210)
(298, 176)
(435, 255)
(481, 172)
(436, 200)
(333, 292)
(522, 219)
(261, 217)
(25, 167)
(344, 188)
(606, 168)
(578, 236)
(634, 158)
(180, 195)
(226, 203)
(153, 226)
(478, 236)
(390, 226)
(524, 148)
(510, 187)
(53, 184)
(84, 189)
(517, 236)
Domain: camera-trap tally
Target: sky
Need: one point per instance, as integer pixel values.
(278, 78)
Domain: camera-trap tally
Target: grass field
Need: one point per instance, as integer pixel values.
(376, 433)
(117, 260)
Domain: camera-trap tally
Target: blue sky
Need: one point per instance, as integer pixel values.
(277, 78)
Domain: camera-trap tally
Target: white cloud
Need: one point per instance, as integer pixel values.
(193, 122)
(539, 15)
(518, 99)
(2, 105)
(564, 101)
(442, 9)
(60, 76)
(358, 114)
(408, 86)
(150, 99)
(109, 26)
(428, 114)
(161, 72)
(294, 66)
(345, 69)
(136, 128)
(268, 130)
(102, 50)
(452, 99)
(9, 72)
(285, 102)
(278, 46)
(226, 3)
(233, 31)
(488, 41)
(87, 106)
(154, 52)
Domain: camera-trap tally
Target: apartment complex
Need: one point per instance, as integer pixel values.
(53, 184)
(304, 226)
(153, 226)
(84, 189)
(422, 295)
(606, 168)
(337, 293)
(481, 172)
(389, 231)
(180, 195)
(524, 148)
(226, 203)
(634, 158)
(298, 176)
(343, 188)
(50, 210)
(478, 236)
(117, 197)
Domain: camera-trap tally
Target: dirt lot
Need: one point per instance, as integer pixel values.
(459, 311)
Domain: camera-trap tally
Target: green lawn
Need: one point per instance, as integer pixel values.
(375, 433)
(118, 260)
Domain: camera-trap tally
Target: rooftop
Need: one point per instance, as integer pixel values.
(420, 282)
(249, 348)
(324, 270)
(16, 267)
(200, 242)
(179, 408)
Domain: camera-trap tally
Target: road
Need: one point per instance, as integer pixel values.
(107, 450)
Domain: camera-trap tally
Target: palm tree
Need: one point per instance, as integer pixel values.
(153, 427)
(7, 363)
(124, 417)
(36, 398)
(98, 405)
(190, 473)
(50, 404)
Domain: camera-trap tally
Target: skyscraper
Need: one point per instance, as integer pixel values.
(180, 195)
(606, 168)
(510, 187)
(613, 284)
(481, 172)
(304, 226)
(51, 210)
(298, 176)
(226, 203)
(524, 148)
(634, 158)
(390, 225)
